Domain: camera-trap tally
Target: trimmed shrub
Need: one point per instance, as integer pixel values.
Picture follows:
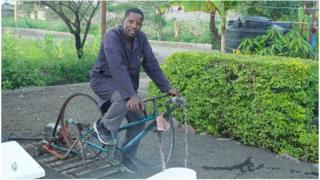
(263, 101)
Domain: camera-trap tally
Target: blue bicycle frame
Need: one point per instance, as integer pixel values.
(139, 136)
(89, 132)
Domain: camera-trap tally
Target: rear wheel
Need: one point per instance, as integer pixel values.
(75, 123)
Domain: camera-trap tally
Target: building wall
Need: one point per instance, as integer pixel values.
(7, 10)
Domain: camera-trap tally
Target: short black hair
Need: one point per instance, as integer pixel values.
(133, 10)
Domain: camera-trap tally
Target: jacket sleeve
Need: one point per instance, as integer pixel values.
(152, 68)
(116, 62)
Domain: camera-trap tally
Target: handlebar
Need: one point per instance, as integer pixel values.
(171, 103)
(175, 99)
(155, 98)
(179, 100)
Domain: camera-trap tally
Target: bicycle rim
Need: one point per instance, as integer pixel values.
(148, 154)
(78, 108)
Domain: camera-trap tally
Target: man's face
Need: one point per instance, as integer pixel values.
(132, 24)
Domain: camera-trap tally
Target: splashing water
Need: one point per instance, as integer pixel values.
(163, 161)
(185, 113)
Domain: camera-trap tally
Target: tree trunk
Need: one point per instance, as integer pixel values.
(223, 26)
(158, 12)
(36, 17)
(78, 45)
(160, 29)
(214, 31)
(15, 11)
(304, 13)
(103, 18)
(176, 29)
(223, 33)
(36, 11)
(312, 22)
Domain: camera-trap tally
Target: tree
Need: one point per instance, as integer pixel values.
(156, 11)
(222, 8)
(160, 8)
(30, 8)
(36, 10)
(212, 7)
(160, 21)
(205, 6)
(75, 14)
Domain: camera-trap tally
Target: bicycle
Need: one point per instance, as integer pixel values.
(73, 134)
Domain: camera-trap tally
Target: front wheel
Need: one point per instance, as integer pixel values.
(149, 154)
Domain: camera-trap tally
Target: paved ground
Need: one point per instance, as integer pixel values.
(26, 111)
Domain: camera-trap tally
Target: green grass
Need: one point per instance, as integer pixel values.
(33, 62)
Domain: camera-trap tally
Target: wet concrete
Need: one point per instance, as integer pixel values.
(213, 158)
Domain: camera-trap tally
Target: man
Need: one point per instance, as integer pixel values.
(115, 79)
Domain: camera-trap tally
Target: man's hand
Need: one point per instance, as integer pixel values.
(173, 92)
(135, 103)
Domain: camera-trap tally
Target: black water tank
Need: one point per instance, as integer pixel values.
(283, 24)
(256, 22)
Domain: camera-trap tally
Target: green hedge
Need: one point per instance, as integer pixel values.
(49, 61)
(263, 101)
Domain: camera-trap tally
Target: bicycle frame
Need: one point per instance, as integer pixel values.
(138, 137)
(148, 118)
(141, 134)
(86, 133)
(123, 127)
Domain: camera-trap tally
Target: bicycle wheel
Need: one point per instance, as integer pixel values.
(149, 154)
(77, 115)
